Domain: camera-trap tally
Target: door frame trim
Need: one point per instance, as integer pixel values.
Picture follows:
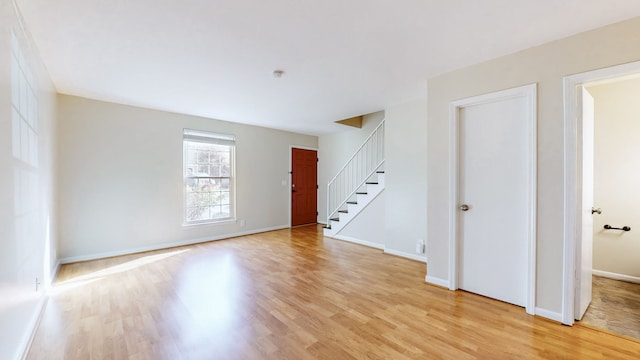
(289, 178)
(530, 93)
(572, 181)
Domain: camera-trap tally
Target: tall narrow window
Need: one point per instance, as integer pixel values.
(25, 149)
(208, 177)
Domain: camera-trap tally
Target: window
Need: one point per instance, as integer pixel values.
(208, 177)
(24, 102)
(27, 208)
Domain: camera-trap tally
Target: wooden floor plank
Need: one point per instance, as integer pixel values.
(290, 294)
(615, 307)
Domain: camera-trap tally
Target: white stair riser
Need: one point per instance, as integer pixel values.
(373, 190)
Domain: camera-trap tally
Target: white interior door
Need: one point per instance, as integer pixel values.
(494, 182)
(585, 245)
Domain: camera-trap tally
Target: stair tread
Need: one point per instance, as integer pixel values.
(361, 193)
(343, 211)
(352, 202)
(372, 183)
(335, 219)
(380, 172)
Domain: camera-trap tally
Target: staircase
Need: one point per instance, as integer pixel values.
(357, 183)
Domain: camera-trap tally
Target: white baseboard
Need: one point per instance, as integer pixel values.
(161, 246)
(614, 276)
(437, 281)
(379, 246)
(406, 255)
(358, 241)
(33, 327)
(538, 311)
(552, 315)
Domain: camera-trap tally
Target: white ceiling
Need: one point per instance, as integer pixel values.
(341, 58)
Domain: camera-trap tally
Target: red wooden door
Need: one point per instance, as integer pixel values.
(304, 186)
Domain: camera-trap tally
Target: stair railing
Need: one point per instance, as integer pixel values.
(354, 174)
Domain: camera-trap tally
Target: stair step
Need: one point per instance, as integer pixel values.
(352, 202)
(335, 219)
(343, 211)
(372, 183)
(361, 193)
(328, 227)
(380, 172)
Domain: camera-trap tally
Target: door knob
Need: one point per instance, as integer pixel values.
(594, 210)
(464, 207)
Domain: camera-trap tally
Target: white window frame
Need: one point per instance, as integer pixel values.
(206, 137)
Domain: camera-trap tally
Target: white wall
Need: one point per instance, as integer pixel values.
(335, 150)
(121, 178)
(547, 65)
(406, 177)
(368, 227)
(28, 238)
(617, 177)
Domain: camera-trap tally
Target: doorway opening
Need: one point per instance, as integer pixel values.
(596, 197)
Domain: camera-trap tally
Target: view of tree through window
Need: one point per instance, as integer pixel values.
(208, 161)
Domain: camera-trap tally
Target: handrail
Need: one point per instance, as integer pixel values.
(356, 153)
(346, 198)
(365, 161)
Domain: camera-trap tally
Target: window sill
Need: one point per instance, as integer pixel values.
(212, 222)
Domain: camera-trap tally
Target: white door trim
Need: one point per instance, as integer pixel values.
(572, 183)
(530, 93)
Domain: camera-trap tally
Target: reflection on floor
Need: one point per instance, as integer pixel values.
(615, 307)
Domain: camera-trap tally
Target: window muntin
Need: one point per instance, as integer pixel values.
(208, 177)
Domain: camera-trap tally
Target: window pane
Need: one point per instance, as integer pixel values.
(15, 81)
(225, 161)
(215, 211)
(203, 157)
(215, 170)
(202, 213)
(194, 199)
(225, 184)
(196, 214)
(225, 211)
(15, 133)
(224, 198)
(203, 170)
(201, 184)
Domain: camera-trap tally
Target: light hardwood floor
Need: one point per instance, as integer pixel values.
(290, 294)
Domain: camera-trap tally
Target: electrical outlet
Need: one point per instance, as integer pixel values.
(420, 246)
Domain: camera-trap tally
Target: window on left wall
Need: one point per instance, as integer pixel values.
(24, 108)
(208, 172)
